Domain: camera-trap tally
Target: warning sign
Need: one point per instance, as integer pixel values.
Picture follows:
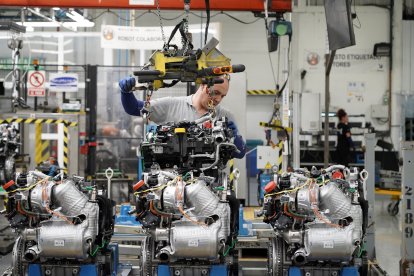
(36, 83)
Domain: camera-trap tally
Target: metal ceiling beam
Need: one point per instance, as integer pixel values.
(220, 5)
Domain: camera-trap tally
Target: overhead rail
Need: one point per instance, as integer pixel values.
(220, 5)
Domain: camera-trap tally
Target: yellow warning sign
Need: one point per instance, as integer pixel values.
(268, 166)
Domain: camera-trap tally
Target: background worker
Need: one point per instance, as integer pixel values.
(345, 149)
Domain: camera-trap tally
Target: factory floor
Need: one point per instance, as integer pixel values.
(387, 237)
(387, 231)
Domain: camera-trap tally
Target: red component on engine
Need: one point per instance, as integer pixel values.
(271, 186)
(337, 175)
(138, 185)
(8, 185)
(208, 124)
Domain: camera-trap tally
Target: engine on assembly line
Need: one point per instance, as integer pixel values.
(61, 224)
(319, 217)
(9, 143)
(185, 201)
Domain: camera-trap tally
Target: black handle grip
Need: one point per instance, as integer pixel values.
(215, 81)
(132, 212)
(237, 68)
(147, 73)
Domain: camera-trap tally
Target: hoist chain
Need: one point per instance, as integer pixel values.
(210, 104)
(185, 41)
(161, 24)
(146, 111)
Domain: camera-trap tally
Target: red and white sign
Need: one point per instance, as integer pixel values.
(36, 83)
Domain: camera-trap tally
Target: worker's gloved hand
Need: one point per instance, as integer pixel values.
(241, 146)
(238, 141)
(127, 84)
(231, 125)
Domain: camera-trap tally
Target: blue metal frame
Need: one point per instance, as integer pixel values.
(114, 247)
(88, 270)
(219, 270)
(163, 270)
(35, 270)
(294, 271)
(124, 218)
(349, 271)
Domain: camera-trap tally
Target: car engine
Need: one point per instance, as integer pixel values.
(9, 143)
(185, 200)
(61, 224)
(319, 218)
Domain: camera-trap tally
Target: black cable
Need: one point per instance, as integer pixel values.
(273, 71)
(168, 19)
(135, 18)
(240, 21)
(208, 20)
(270, 58)
(128, 20)
(357, 18)
(227, 14)
(200, 16)
(173, 18)
(99, 15)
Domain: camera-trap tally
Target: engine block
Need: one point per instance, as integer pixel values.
(57, 219)
(318, 217)
(185, 200)
(9, 143)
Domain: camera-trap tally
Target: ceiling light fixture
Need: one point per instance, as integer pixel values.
(54, 24)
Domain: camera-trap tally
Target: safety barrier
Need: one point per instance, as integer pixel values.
(42, 152)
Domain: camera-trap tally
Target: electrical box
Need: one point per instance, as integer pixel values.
(310, 112)
(379, 111)
(267, 157)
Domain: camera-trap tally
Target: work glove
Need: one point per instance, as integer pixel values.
(127, 84)
(238, 141)
(231, 125)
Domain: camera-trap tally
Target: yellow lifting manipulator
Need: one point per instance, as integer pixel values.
(198, 66)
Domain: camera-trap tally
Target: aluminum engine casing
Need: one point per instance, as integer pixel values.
(322, 239)
(322, 243)
(57, 238)
(334, 200)
(62, 240)
(187, 239)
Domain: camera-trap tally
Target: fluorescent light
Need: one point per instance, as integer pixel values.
(56, 8)
(54, 24)
(71, 16)
(198, 31)
(78, 17)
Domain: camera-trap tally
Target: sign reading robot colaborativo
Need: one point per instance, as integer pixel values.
(145, 38)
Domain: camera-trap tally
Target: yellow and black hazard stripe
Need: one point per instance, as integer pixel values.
(42, 150)
(280, 158)
(38, 121)
(65, 147)
(38, 143)
(262, 92)
(231, 164)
